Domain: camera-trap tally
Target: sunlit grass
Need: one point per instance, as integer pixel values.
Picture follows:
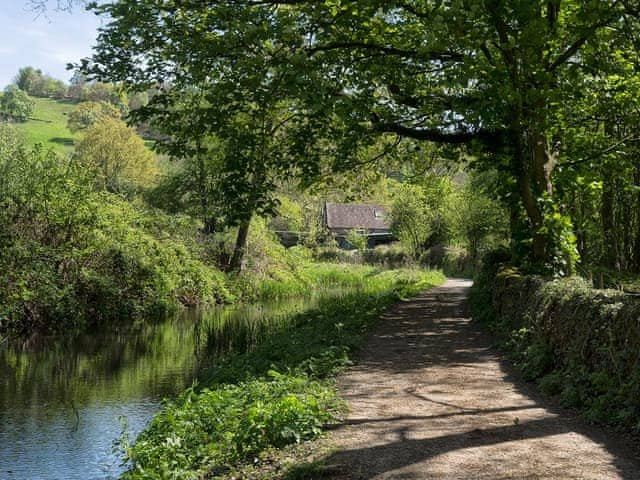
(48, 125)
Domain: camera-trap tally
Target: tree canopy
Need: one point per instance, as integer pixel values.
(16, 104)
(87, 114)
(497, 76)
(116, 156)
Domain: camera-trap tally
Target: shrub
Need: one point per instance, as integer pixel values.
(206, 432)
(117, 157)
(389, 256)
(357, 239)
(16, 104)
(71, 257)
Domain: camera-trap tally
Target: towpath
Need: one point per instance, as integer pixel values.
(430, 399)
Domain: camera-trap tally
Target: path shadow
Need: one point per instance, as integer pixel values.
(435, 330)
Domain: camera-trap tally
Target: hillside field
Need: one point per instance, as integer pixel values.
(48, 125)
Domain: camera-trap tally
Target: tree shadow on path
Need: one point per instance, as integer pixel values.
(430, 398)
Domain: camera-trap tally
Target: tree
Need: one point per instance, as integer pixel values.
(27, 77)
(88, 113)
(357, 238)
(420, 211)
(77, 86)
(16, 103)
(105, 92)
(481, 221)
(47, 86)
(116, 155)
(491, 74)
(220, 100)
(35, 83)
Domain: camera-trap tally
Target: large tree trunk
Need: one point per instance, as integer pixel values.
(241, 245)
(636, 247)
(535, 164)
(611, 254)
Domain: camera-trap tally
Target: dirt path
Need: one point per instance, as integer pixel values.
(430, 399)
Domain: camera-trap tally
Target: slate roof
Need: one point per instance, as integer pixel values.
(342, 217)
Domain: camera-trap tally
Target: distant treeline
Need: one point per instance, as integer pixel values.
(37, 84)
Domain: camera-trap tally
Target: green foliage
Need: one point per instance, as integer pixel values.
(116, 155)
(580, 343)
(420, 214)
(512, 83)
(26, 78)
(86, 114)
(480, 221)
(357, 239)
(558, 229)
(34, 82)
(278, 393)
(70, 257)
(16, 104)
(456, 262)
(100, 92)
(209, 430)
(389, 256)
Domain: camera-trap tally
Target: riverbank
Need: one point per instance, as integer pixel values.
(278, 393)
(120, 262)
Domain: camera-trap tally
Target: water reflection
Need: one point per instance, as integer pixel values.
(61, 400)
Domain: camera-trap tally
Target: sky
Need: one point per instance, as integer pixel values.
(47, 42)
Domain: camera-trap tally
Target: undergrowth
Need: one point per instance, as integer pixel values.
(578, 343)
(278, 393)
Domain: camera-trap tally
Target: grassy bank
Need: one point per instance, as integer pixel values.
(278, 393)
(576, 342)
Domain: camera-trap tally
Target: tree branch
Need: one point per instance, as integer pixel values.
(436, 135)
(357, 45)
(414, 11)
(629, 138)
(577, 45)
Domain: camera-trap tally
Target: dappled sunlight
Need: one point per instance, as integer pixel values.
(430, 398)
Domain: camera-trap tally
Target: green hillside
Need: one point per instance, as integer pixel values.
(48, 124)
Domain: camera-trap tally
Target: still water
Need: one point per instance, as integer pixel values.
(65, 402)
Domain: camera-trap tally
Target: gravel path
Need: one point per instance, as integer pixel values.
(429, 399)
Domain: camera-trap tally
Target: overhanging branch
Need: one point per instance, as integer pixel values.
(436, 135)
(430, 55)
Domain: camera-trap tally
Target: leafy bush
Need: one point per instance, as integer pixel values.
(16, 104)
(71, 257)
(357, 239)
(332, 253)
(389, 256)
(421, 213)
(116, 156)
(211, 429)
